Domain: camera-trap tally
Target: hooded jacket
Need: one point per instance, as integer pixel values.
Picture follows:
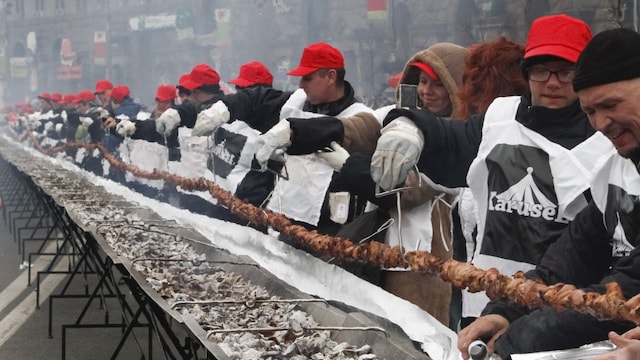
(429, 292)
(447, 60)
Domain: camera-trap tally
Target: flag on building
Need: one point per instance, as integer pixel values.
(377, 10)
(100, 47)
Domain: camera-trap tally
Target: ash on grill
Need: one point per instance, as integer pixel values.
(244, 319)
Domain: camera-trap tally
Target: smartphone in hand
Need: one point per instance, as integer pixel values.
(408, 96)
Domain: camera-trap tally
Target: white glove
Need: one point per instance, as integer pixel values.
(335, 158)
(63, 115)
(86, 121)
(143, 115)
(273, 143)
(47, 126)
(210, 119)
(103, 113)
(168, 121)
(48, 115)
(126, 128)
(58, 128)
(397, 152)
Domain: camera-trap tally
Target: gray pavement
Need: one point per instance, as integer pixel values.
(24, 327)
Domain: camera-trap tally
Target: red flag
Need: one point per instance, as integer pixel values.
(377, 9)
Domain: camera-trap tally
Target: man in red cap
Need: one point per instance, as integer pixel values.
(519, 159)
(91, 129)
(165, 98)
(67, 101)
(48, 117)
(103, 92)
(55, 120)
(251, 74)
(45, 102)
(276, 114)
(183, 93)
(144, 129)
(123, 108)
(91, 117)
(56, 102)
(204, 84)
(123, 104)
(71, 120)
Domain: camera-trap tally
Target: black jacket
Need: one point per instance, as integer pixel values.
(582, 257)
(455, 143)
(260, 108)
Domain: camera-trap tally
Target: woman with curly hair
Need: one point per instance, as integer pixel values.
(492, 70)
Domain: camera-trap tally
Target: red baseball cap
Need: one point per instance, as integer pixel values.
(68, 99)
(183, 79)
(426, 68)
(201, 75)
(318, 56)
(561, 35)
(118, 93)
(56, 97)
(84, 95)
(44, 96)
(103, 85)
(166, 93)
(253, 73)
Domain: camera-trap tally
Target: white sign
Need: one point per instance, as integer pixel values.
(151, 22)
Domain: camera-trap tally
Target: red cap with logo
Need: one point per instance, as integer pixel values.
(318, 56)
(561, 35)
(201, 75)
(166, 93)
(119, 93)
(68, 99)
(84, 95)
(103, 85)
(56, 97)
(253, 73)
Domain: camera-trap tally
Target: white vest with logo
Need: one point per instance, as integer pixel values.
(301, 197)
(232, 153)
(228, 153)
(571, 175)
(615, 172)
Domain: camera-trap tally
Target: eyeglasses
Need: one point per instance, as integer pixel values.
(539, 74)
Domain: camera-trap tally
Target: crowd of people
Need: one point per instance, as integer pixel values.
(514, 157)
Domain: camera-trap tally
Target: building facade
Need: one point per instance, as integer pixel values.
(67, 45)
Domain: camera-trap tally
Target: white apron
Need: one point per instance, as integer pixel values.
(545, 191)
(302, 195)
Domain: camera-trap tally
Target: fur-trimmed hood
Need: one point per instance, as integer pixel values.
(447, 60)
